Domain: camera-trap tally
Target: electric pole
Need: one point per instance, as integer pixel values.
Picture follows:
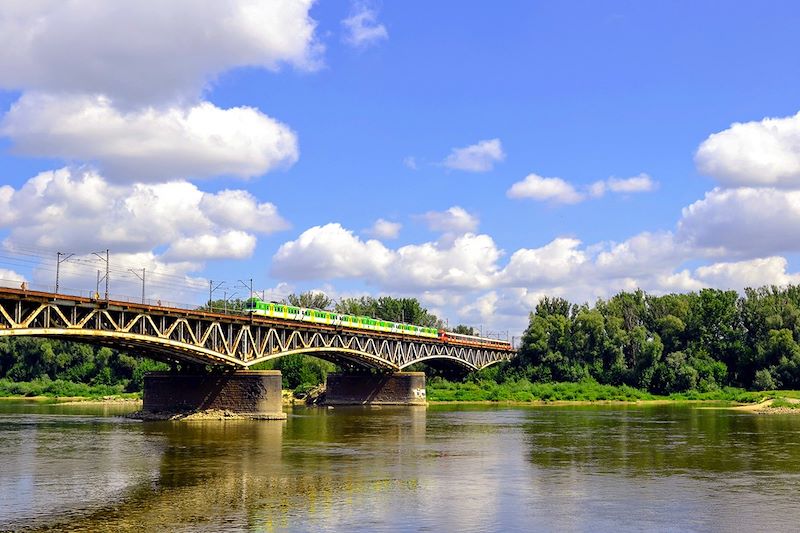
(58, 265)
(135, 273)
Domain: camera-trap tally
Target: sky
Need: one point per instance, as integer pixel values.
(475, 155)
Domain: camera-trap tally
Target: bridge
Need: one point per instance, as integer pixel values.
(232, 341)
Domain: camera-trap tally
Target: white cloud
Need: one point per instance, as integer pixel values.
(410, 162)
(240, 209)
(9, 278)
(232, 244)
(328, 252)
(762, 153)
(752, 273)
(80, 211)
(168, 281)
(479, 157)
(743, 222)
(554, 190)
(554, 263)
(640, 256)
(455, 220)
(469, 262)
(362, 28)
(636, 184)
(148, 51)
(150, 144)
(331, 252)
(559, 191)
(384, 229)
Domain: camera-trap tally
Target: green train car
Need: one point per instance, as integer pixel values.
(259, 307)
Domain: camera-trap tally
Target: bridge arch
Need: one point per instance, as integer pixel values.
(121, 340)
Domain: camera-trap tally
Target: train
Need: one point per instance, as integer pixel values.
(259, 307)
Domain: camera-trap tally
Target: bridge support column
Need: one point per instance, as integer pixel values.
(247, 393)
(400, 388)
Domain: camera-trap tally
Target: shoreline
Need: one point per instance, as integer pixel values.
(69, 400)
(762, 407)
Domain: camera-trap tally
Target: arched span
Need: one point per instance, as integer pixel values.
(117, 339)
(355, 356)
(456, 360)
(490, 363)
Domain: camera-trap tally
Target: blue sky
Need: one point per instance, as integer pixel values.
(164, 140)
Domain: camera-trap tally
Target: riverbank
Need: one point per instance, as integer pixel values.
(524, 391)
(440, 391)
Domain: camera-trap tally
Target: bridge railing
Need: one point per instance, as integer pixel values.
(94, 295)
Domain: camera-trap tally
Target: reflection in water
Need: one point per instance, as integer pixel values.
(446, 468)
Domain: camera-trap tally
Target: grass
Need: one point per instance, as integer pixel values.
(783, 402)
(60, 388)
(439, 390)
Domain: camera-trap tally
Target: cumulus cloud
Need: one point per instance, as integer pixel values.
(743, 222)
(455, 220)
(150, 144)
(171, 282)
(232, 244)
(553, 190)
(479, 157)
(384, 229)
(636, 184)
(641, 255)
(93, 46)
(555, 262)
(759, 153)
(559, 191)
(80, 211)
(240, 209)
(9, 278)
(362, 28)
(751, 273)
(331, 252)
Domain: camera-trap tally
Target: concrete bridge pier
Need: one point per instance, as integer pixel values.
(247, 393)
(399, 388)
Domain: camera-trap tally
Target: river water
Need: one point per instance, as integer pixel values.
(444, 468)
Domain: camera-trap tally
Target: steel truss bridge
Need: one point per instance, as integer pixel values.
(236, 341)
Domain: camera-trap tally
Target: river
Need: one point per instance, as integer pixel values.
(444, 468)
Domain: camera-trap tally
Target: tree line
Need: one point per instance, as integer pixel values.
(662, 344)
(677, 342)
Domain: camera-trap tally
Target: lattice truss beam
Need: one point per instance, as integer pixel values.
(224, 340)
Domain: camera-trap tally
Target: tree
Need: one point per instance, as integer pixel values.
(309, 300)
(406, 310)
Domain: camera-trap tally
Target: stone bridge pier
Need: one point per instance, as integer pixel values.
(399, 388)
(248, 393)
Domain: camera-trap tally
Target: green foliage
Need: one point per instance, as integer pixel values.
(309, 300)
(784, 403)
(58, 388)
(299, 371)
(407, 310)
(55, 368)
(700, 342)
(522, 390)
(220, 305)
